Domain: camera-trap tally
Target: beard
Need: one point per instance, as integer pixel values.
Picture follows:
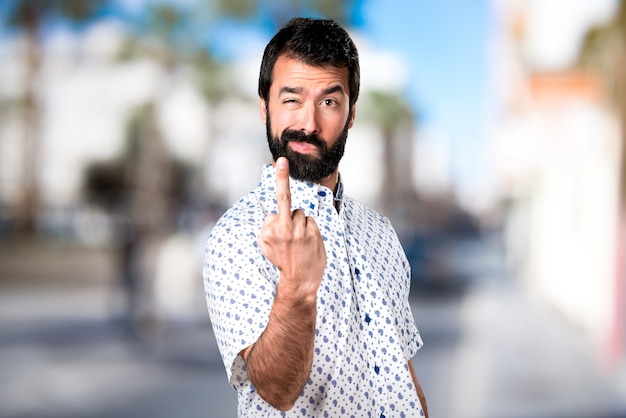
(311, 167)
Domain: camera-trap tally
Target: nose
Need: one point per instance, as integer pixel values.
(309, 122)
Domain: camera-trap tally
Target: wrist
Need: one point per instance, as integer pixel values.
(297, 290)
(296, 296)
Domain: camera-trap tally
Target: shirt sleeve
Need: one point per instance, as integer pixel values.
(240, 288)
(406, 321)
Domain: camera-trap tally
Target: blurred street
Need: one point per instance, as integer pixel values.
(489, 350)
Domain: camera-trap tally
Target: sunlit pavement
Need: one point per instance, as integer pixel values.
(490, 352)
(496, 354)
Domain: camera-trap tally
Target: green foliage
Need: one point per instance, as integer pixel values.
(28, 13)
(240, 9)
(278, 12)
(389, 110)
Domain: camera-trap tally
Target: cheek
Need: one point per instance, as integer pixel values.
(280, 122)
(336, 124)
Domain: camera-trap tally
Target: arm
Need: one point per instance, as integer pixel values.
(418, 388)
(280, 361)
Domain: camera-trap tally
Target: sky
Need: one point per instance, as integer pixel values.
(445, 44)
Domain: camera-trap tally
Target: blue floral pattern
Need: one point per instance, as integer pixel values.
(365, 333)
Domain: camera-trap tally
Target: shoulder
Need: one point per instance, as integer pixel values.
(359, 211)
(244, 217)
(369, 224)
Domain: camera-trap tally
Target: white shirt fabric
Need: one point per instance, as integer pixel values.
(365, 333)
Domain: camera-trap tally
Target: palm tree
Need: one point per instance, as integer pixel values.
(29, 17)
(150, 167)
(396, 120)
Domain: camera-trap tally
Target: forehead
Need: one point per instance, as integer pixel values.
(291, 72)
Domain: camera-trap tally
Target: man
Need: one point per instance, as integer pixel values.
(308, 289)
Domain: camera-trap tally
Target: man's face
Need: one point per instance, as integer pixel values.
(307, 117)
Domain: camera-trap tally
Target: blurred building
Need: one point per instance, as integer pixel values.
(558, 147)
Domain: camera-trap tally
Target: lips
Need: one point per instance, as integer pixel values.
(302, 147)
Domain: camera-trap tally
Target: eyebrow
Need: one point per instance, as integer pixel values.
(334, 89)
(290, 90)
(298, 90)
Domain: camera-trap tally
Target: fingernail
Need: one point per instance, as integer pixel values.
(281, 163)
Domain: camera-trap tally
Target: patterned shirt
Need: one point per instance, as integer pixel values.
(365, 333)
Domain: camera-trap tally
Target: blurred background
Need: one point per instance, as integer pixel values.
(490, 132)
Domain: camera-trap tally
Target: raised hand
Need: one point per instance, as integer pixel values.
(292, 241)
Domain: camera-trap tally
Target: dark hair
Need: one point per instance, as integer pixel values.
(316, 42)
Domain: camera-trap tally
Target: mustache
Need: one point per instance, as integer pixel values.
(290, 135)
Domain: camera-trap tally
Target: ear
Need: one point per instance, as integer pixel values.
(263, 111)
(352, 116)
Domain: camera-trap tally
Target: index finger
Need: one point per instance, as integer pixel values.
(283, 194)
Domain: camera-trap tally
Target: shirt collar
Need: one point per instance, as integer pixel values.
(308, 196)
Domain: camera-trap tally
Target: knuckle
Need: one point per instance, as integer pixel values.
(282, 197)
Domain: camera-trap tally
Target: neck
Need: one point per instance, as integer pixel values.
(331, 181)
